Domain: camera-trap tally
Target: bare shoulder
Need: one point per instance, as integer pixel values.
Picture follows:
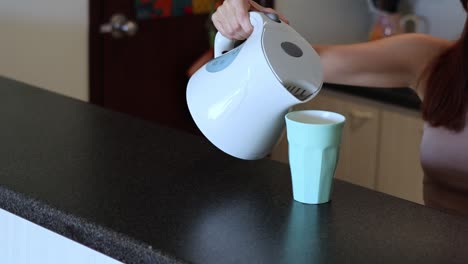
(422, 44)
(420, 50)
(397, 61)
(423, 39)
(410, 43)
(415, 47)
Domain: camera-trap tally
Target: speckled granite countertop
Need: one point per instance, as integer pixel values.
(143, 193)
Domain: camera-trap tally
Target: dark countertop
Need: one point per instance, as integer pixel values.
(143, 193)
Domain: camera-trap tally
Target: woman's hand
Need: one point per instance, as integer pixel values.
(232, 18)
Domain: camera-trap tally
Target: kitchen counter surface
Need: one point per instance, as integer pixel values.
(143, 193)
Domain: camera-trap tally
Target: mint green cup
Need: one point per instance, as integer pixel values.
(314, 138)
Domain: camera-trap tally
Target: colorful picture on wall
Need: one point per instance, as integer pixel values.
(148, 9)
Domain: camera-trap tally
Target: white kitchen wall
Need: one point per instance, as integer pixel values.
(349, 21)
(44, 43)
(328, 21)
(445, 18)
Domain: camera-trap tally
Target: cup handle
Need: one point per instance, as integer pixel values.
(420, 24)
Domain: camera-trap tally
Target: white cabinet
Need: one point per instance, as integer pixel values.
(380, 144)
(23, 242)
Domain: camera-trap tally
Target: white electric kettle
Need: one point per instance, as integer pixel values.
(238, 100)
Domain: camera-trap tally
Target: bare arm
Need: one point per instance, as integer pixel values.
(397, 61)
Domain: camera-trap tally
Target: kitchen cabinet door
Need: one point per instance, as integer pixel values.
(357, 163)
(400, 173)
(144, 72)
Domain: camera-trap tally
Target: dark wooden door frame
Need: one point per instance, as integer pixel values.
(95, 45)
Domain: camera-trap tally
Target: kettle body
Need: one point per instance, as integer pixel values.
(238, 99)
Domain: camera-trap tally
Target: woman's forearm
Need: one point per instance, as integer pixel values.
(392, 62)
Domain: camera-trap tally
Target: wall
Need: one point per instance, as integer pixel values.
(328, 21)
(445, 18)
(348, 21)
(44, 43)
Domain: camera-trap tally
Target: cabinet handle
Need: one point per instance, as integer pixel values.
(356, 114)
(358, 119)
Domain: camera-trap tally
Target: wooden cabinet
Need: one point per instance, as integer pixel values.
(359, 136)
(380, 144)
(399, 171)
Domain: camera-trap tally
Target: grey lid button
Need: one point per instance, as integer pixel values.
(291, 49)
(273, 17)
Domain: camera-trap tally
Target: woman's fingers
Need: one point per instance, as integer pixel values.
(232, 18)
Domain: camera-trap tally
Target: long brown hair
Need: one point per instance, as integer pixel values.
(446, 96)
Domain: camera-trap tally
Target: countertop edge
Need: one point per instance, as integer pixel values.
(108, 242)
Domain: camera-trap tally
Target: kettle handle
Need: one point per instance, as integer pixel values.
(223, 44)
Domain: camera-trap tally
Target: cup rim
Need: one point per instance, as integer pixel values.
(289, 117)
